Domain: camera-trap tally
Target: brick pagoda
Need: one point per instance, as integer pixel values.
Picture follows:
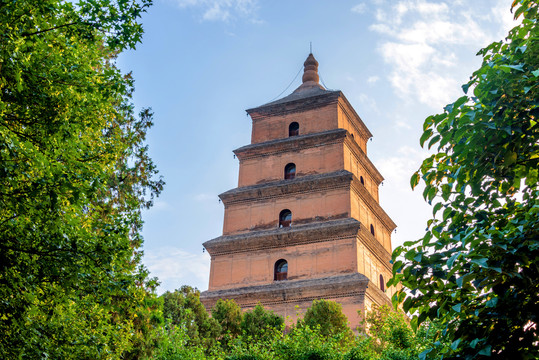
(305, 221)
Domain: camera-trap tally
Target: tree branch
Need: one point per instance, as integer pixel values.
(53, 28)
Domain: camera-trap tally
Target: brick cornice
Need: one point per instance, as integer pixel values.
(374, 246)
(282, 188)
(348, 109)
(290, 291)
(281, 237)
(377, 210)
(298, 143)
(363, 159)
(294, 143)
(308, 184)
(377, 296)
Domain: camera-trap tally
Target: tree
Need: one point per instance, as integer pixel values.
(306, 343)
(477, 268)
(329, 317)
(228, 314)
(74, 176)
(390, 335)
(183, 308)
(174, 345)
(261, 324)
(148, 329)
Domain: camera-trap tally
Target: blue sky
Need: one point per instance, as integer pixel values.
(203, 62)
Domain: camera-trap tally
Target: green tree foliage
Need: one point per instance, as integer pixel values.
(306, 343)
(261, 324)
(183, 308)
(390, 339)
(175, 344)
(263, 336)
(390, 335)
(74, 176)
(329, 317)
(147, 328)
(229, 316)
(477, 268)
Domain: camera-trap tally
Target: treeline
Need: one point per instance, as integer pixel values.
(177, 326)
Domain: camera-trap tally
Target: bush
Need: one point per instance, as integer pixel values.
(261, 324)
(329, 317)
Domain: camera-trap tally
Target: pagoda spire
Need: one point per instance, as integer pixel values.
(310, 75)
(310, 70)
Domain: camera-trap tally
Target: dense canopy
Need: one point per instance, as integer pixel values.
(74, 175)
(476, 270)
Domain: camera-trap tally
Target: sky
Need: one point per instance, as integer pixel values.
(203, 62)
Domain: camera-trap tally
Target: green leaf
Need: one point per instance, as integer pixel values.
(414, 180)
(463, 280)
(433, 141)
(492, 302)
(437, 207)
(452, 259)
(424, 353)
(519, 12)
(426, 134)
(518, 67)
(532, 177)
(431, 194)
(447, 213)
(487, 351)
(427, 238)
(474, 343)
(480, 261)
(460, 101)
(455, 344)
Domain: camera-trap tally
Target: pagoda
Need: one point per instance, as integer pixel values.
(305, 221)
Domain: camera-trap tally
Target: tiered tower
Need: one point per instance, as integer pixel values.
(304, 222)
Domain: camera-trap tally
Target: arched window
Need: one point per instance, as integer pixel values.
(372, 230)
(382, 284)
(281, 270)
(290, 171)
(285, 218)
(361, 180)
(293, 129)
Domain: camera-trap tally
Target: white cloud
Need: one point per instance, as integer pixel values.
(407, 56)
(223, 10)
(431, 9)
(423, 41)
(373, 79)
(216, 12)
(398, 169)
(176, 267)
(160, 205)
(359, 8)
(368, 101)
(500, 13)
(381, 28)
(205, 197)
(402, 124)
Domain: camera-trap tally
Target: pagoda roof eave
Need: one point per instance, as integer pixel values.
(297, 99)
